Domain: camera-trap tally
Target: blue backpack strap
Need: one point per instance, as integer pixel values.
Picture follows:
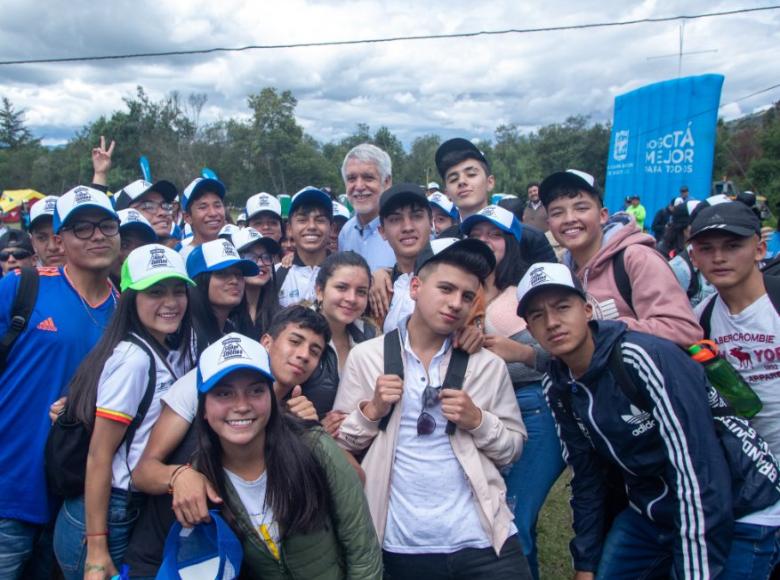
(21, 311)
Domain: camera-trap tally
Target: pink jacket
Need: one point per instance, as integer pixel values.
(661, 307)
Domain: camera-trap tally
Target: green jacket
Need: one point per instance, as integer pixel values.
(346, 549)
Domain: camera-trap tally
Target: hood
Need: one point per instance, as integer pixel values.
(619, 232)
(606, 333)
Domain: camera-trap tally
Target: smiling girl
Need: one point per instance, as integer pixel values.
(143, 351)
(288, 491)
(262, 299)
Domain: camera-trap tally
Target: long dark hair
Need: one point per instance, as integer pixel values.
(82, 389)
(673, 241)
(297, 491)
(267, 306)
(513, 266)
(204, 322)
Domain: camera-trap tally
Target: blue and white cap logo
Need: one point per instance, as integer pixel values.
(231, 353)
(77, 198)
(263, 202)
(44, 207)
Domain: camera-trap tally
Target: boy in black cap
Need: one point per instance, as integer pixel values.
(433, 485)
(742, 317)
(468, 183)
(16, 251)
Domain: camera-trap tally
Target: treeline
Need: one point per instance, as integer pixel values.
(271, 152)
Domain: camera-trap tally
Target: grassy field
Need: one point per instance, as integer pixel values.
(554, 532)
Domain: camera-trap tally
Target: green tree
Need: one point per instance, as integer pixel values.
(14, 134)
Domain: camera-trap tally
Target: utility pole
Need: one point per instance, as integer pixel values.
(681, 52)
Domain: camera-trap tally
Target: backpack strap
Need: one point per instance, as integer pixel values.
(280, 275)
(622, 280)
(21, 310)
(146, 402)
(694, 285)
(706, 315)
(617, 367)
(772, 285)
(394, 365)
(456, 372)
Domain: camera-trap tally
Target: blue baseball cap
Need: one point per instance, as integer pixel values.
(502, 218)
(198, 187)
(218, 255)
(131, 220)
(231, 353)
(312, 195)
(79, 198)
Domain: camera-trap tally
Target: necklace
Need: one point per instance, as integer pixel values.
(86, 306)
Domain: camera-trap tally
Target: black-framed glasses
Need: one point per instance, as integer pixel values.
(426, 424)
(266, 259)
(15, 254)
(152, 206)
(84, 229)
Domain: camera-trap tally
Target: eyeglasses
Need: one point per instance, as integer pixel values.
(266, 259)
(152, 206)
(15, 254)
(84, 230)
(426, 424)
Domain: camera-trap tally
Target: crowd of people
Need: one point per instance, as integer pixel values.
(390, 389)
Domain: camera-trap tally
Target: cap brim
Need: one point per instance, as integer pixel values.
(247, 267)
(270, 244)
(206, 386)
(208, 185)
(729, 229)
(314, 197)
(402, 198)
(166, 189)
(150, 281)
(523, 304)
(74, 212)
(40, 219)
(260, 211)
(139, 227)
(559, 179)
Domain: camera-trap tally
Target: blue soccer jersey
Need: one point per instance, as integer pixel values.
(62, 330)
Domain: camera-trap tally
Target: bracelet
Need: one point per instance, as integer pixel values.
(94, 567)
(97, 534)
(176, 473)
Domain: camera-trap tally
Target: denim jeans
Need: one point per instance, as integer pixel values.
(636, 548)
(528, 481)
(70, 545)
(466, 564)
(25, 550)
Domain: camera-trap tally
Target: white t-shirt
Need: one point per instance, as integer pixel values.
(186, 250)
(401, 305)
(252, 495)
(298, 285)
(431, 507)
(120, 390)
(182, 397)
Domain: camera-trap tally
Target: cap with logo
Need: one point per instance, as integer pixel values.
(440, 248)
(340, 212)
(570, 178)
(241, 218)
(43, 209)
(263, 202)
(246, 237)
(77, 199)
(502, 218)
(545, 276)
(150, 264)
(458, 144)
(230, 353)
(402, 194)
(440, 201)
(433, 185)
(131, 219)
(311, 196)
(732, 217)
(218, 255)
(198, 187)
(135, 190)
(227, 231)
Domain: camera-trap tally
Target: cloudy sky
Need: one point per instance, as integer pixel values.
(465, 86)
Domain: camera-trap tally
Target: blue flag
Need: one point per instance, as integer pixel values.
(146, 170)
(207, 173)
(663, 137)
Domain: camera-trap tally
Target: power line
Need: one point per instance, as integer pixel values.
(683, 17)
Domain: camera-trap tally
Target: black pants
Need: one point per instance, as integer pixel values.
(466, 564)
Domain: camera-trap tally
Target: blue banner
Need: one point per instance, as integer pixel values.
(663, 137)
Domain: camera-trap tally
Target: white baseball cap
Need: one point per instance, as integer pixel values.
(132, 219)
(218, 255)
(149, 264)
(230, 353)
(444, 204)
(543, 276)
(248, 236)
(133, 191)
(340, 211)
(227, 231)
(261, 202)
(201, 185)
(433, 185)
(78, 198)
(43, 208)
(500, 217)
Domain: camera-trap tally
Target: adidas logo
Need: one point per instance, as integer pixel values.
(642, 419)
(47, 325)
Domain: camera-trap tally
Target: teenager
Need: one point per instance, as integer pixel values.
(651, 299)
(531, 477)
(289, 493)
(154, 201)
(264, 214)
(202, 204)
(467, 531)
(16, 251)
(73, 306)
(343, 283)
(367, 172)
(741, 318)
(295, 342)
(341, 216)
(47, 246)
(445, 214)
(636, 405)
(149, 331)
(311, 215)
(262, 299)
(134, 231)
(468, 183)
